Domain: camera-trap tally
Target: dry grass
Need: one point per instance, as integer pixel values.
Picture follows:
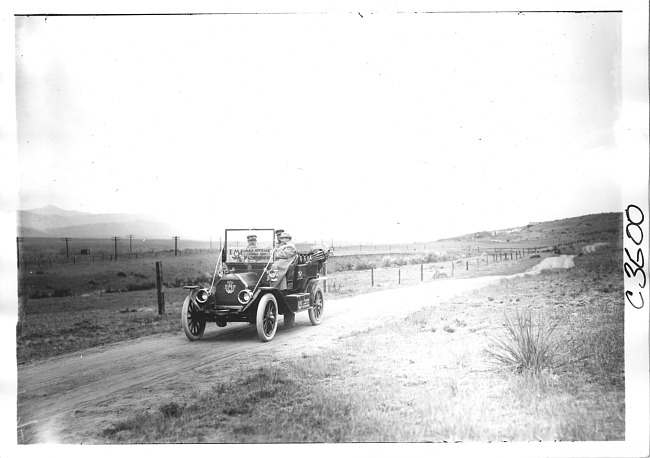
(426, 384)
(109, 302)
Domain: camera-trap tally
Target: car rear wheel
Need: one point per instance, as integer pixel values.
(192, 320)
(267, 317)
(316, 310)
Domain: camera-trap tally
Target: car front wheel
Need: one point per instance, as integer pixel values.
(267, 318)
(192, 320)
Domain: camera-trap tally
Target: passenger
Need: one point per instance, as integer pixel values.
(252, 241)
(278, 233)
(285, 254)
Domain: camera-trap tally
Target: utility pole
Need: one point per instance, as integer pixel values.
(115, 239)
(18, 240)
(176, 237)
(67, 239)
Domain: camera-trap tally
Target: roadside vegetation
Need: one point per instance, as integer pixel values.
(73, 307)
(530, 358)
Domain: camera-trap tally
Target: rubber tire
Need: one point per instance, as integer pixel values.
(289, 320)
(318, 304)
(193, 328)
(267, 318)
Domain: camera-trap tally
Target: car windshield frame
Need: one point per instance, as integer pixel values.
(238, 249)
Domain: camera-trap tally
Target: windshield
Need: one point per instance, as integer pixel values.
(249, 245)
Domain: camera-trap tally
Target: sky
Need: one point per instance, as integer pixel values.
(344, 126)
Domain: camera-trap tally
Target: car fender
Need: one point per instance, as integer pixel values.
(314, 285)
(282, 304)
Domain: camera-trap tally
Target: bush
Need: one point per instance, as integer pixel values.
(363, 265)
(526, 346)
(121, 274)
(140, 287)
(61, 292)
(170, 410)
(38, 295)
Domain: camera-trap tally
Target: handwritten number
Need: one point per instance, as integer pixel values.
(634, 224)
(639, 267)
(636, 237)
(628, 294)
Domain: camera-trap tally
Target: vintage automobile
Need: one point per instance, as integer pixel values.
(242, 291)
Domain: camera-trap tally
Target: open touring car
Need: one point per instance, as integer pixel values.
(242, 291)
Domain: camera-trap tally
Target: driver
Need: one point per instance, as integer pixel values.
(285, 254)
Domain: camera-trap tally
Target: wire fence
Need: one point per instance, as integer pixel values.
(38, 260)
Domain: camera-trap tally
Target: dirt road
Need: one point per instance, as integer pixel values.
(65, 399)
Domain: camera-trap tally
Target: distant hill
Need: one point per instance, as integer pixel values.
(52, 221)
(602, 225)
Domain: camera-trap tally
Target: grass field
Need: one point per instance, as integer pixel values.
(438, 375)
(433, 376)
(77, 306)
(73, 306)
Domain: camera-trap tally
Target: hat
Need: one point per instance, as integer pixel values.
(285, 235)
(279, 231)
(252, 236)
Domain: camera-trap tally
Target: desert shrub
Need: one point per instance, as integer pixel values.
(170, 410)
(121, 274)
(345, 266)
(140, 287)
(364, 265)
(38, 295)
(61, 292)
(526, 346)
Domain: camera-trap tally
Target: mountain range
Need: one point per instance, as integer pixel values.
(51, 221)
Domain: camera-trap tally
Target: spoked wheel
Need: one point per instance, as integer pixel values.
(316, 310)
(192, 320)
(267, 318)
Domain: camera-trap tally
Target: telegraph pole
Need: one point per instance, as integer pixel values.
(67, 239)
(176, 237)
(115, 239)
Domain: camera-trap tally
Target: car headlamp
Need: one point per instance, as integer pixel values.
(202, 296)
(245, 296)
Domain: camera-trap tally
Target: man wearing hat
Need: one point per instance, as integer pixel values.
(252, 241)
(285, 254)
(278, 233)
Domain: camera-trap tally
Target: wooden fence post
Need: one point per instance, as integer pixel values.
(159, 281)
(452, 269)
(421, 272)
(399, 276)
(466, 265)
(372, 277)
(22, 310)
